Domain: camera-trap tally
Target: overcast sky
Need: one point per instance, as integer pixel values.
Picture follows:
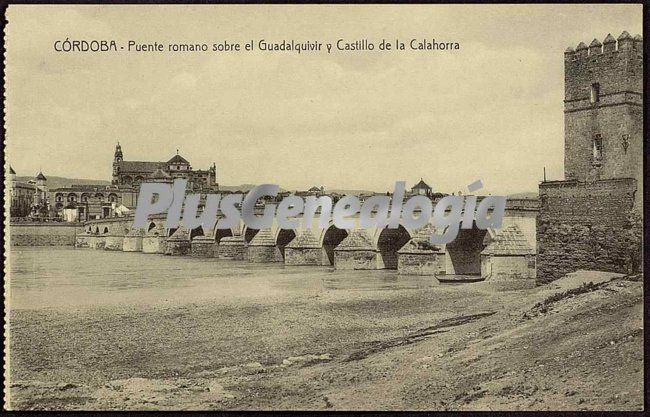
(490, 111)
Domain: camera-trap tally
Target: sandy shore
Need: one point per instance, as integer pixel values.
(444, 348)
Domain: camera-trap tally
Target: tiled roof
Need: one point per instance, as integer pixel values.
(509, 241)
(140, 166)
(422, 185)
(177, 159)
(306, 239)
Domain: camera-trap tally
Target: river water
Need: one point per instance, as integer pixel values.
(61, 277)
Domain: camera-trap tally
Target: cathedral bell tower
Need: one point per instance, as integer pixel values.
(117, 158)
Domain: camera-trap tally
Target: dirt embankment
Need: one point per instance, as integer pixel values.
(576, 344)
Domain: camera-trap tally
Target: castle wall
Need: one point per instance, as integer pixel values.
(587, 226)
(43, 234)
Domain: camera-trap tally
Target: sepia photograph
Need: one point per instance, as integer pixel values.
(256, 207)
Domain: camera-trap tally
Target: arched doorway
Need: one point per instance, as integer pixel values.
(284, 238)
(389, 242)
(333, 236)
(464, 252)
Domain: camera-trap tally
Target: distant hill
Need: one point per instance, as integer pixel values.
(247, 187)
(60, 182)
(242, 187)
(351, 192)
(529, 194)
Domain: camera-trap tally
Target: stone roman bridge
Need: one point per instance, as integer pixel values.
(474, 254)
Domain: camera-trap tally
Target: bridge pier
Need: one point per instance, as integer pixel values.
(154, 239)
(178, 244)
(305, 250)
(356, 251)
(132, 241)
(204, 247)
(113, 242)
(82, 240)
(232, 248)
(420, 257)
(263, 248)
(97, 242)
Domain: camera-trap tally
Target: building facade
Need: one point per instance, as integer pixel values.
(86, 202)
(28, 199)
(133, 173)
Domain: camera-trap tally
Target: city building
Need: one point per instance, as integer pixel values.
(422, 188)
(133, 173)
(28, 199)
(85, 202)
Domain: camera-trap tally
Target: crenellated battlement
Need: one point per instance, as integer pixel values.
(625, 42)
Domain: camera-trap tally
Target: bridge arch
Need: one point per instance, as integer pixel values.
(330, 239)
(389, 241)
(249, 234)
(283, 238)
(464, 253)
(221, 233)
(197, 231)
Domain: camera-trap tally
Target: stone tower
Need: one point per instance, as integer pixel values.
(603, 110)
(117, 158)
(591, 220)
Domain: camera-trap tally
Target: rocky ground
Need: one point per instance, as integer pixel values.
(576, 344)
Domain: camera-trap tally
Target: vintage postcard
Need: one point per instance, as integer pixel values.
(324, 207)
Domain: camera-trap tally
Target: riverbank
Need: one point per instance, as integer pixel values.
(329, 341)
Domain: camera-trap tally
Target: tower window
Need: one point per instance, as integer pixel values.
(595, 93)
(597, 147)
